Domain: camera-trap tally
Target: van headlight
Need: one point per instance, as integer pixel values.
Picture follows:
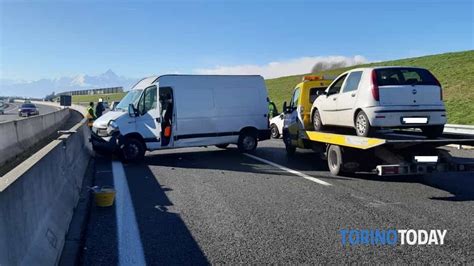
(102, 132)
(112, 127)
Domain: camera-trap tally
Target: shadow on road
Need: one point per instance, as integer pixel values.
(232, 160)
(461, 185)
(165, 237)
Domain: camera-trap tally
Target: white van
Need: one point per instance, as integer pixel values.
(175, 111)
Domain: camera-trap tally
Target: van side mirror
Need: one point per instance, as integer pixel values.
(285, 108)
(132, 111)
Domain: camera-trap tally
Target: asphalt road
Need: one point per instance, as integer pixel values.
(11, 112)
(209, 205)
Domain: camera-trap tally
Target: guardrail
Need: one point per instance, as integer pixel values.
(459, 129)
(18, 136)
(37, 199)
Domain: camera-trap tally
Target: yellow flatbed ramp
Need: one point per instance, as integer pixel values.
(345, 140)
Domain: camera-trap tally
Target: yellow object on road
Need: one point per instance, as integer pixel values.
(104, 197)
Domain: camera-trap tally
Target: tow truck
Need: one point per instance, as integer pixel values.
(388, 153)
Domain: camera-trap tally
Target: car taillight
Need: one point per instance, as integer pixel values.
(375, 86)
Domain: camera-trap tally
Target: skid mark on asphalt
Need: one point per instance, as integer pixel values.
(294, 172)
(130, 247)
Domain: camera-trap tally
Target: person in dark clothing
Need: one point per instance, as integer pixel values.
(167, 105)
(99, 109)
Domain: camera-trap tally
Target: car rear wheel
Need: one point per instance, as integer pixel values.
(362, 125)
(433, 132)
(317, 123)
(275, 132)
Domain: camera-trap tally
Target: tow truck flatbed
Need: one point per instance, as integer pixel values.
(404, 139)
(390, 153)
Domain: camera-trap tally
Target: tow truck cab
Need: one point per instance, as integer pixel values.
(303, 97)
(298, 110)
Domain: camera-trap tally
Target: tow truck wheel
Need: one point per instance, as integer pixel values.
(334, 155)
(132, 150)
(275, 132)
(290, 149)
(433, 132)
(317, 123)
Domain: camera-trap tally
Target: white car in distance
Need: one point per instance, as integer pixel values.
(276, 125)
(382, 97)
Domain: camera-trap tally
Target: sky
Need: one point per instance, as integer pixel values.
(52, 39)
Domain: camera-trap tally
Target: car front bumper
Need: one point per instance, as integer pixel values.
(108, 144)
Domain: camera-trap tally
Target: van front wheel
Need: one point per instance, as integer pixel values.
(247, 142)
(132, 150)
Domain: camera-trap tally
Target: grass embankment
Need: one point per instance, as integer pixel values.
(455, 71)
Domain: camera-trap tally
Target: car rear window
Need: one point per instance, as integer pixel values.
(404, 76)
(315, 92)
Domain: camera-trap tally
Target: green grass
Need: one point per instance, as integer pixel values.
(455, 71)
(95, 98)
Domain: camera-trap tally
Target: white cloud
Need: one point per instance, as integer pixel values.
(295, 66)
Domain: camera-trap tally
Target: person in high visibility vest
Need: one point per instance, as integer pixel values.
(90, 114)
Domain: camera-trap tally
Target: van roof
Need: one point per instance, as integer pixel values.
(145, 82)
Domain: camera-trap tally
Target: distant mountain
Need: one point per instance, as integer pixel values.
(42, 87)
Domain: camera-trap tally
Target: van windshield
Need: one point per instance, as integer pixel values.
(132, 97)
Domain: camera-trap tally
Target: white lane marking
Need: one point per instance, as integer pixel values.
(12, 107)
(310, 178)
(130, 247)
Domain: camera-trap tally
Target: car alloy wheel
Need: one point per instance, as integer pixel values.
(274, 130)
(361, 125)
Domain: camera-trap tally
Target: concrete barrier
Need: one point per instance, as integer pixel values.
(20, 135)
(38, 197)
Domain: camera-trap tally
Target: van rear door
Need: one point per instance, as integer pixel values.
(408, 86)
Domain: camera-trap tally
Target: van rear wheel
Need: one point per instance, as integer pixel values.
(247, 142)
